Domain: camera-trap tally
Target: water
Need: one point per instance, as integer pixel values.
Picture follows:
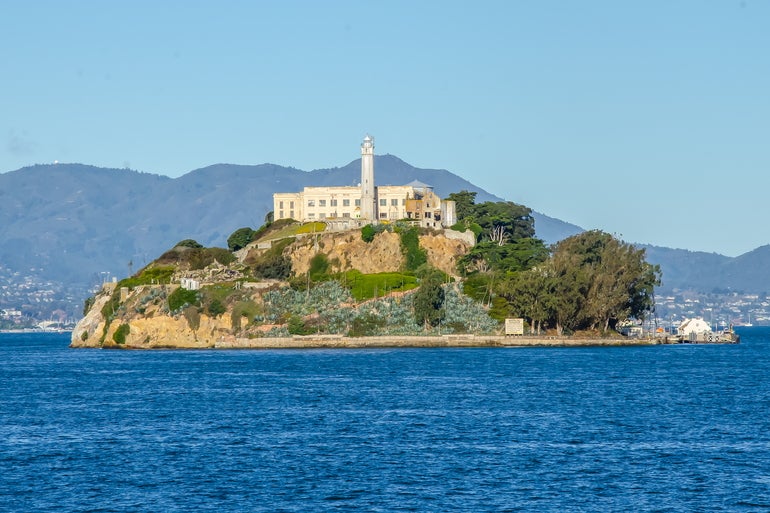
(676, 428)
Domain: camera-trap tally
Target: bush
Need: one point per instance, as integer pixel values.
(240, 238)
(215, 308)
(120, 334)
(182, 297)
(319, 266)
(366, 325)
(297, 326)
(188, 243)
(367, 233)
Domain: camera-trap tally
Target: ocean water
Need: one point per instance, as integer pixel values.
(667, 429)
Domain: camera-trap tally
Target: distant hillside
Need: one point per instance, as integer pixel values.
(711, 272)
(77, 222)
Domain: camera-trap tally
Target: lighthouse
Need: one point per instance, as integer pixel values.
(368, 199)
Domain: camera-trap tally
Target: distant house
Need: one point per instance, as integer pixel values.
(695, 326)
(354, 206)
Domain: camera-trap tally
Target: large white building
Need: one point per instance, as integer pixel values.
(348, 207)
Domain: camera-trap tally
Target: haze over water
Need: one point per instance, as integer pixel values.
(668, 428)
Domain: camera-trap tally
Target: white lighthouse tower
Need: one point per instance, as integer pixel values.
(368, 199)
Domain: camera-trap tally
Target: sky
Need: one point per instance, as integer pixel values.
(648, 120)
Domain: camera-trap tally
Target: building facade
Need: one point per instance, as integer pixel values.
(349, 207)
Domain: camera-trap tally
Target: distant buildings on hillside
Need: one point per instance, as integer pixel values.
(344, 207)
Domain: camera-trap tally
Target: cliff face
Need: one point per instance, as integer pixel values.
(348, 251)
(141, 316)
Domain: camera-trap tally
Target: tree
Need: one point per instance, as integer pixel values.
(464, 202)
(599, 281)
(429, 298)
(240, 238)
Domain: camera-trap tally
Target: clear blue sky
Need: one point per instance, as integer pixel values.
(645, 119)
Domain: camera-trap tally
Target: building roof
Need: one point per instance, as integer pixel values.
(419, 185)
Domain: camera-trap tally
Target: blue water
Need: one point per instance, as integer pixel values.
(674, 428)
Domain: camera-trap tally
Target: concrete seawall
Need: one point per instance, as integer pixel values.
(334, 341)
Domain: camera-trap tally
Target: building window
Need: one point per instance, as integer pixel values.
(403, 202)
(311, 216)
(310, 203)
(322, 216)
(346, 214)
(280, 204)
(383, 215)
(321, 203)
(280, 214)
(333, 203)
(291, 214)
(427, 215)
(394, 202)
(346, 203)
(358, 202)
(383, 202)
(291, 205)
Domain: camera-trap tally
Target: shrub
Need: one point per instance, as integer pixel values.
(319, 266)
(188, 243)
(182, 297)
(366, 325)
(120, 334)
(297, 326)
(367, 233)
(215, 308)
(240, 238)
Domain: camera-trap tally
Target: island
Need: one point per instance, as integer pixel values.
(367, 265)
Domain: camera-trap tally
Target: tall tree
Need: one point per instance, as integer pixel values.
(429, 298)
(464, 201)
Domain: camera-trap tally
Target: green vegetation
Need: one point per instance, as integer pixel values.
(243, 309)
(182, 297)
(429, 298)
(319, 268)
(591, 282)
(366, 325)
(273, 264)
(414, 255)
(188, 243)
(240, 238)
(151, 275)
(316, 227)
(215, 308)
(120, 334)
(368, 286)
(367, 233)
